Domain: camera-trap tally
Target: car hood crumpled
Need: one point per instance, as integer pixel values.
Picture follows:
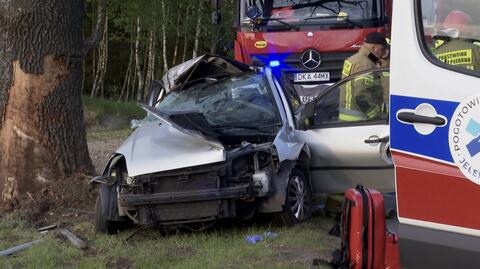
(157, 147)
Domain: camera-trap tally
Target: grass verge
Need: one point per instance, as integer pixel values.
(110, 114)
(217, 248)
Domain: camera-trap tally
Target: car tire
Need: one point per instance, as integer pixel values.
(297, 207)
(102, 225)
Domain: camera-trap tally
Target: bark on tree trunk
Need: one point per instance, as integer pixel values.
(197, 32)
(151, 63)
(42, 132)
(215, 36)
(99, 80)
(126, 81)
(177, 40)
(137, 62)
(185, 35)
(164, 39)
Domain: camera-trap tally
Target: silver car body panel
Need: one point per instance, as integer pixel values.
(193, 134)
(156, 147)
(341, 159)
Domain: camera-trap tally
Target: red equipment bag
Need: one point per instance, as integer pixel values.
(362, 230)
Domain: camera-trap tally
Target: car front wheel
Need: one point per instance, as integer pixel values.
(297, 207)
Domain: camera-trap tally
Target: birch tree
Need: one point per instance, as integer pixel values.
(164, 38)
(198, 30)
(137, 62)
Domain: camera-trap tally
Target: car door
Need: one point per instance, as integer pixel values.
(435, 115)
(347, 153)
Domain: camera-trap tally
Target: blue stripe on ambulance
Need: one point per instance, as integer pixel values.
(407, 139)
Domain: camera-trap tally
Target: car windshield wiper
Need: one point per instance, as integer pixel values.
(257, 128)
(280, 20)
(338, 17)
(322, 2)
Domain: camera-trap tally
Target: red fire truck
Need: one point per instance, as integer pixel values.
(306, 39)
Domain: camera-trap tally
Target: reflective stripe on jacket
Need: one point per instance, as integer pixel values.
(356, 100)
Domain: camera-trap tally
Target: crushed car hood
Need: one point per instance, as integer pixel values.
(157, 146)
(200, 67)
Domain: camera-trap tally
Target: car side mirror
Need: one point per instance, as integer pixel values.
(154, 93)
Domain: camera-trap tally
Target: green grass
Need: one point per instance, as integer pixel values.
(218, 248)
(102, 112)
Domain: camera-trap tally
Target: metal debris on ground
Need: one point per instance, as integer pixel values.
(18, 248)
(45, 229)
(75, 240)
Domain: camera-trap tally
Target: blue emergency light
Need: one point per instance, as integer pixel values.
(274, 63)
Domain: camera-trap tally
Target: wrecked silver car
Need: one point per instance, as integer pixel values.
(220, 143)
(225, 140)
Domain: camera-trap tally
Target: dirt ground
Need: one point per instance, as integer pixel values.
(100, 150)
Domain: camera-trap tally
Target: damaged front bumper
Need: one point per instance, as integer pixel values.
(237, 192)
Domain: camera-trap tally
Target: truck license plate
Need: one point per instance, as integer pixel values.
(309, 77)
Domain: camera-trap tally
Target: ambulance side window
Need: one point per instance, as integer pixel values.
(449, 32)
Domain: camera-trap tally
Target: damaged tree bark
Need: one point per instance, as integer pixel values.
(42, 132)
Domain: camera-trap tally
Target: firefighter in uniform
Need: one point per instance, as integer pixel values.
(458, 49)
(362, 99)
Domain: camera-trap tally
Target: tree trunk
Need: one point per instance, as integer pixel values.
(144, 73)
(131, 64)
(42, 132)
(185, 35)
(215, 37)
(126, 81)
(105, 59)
(151, 62)
(197, 32)
(164, 39)
(99, 80)
(177, 40)
(137, 62)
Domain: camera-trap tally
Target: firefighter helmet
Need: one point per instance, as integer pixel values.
(458, 20)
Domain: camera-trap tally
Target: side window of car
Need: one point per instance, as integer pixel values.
(450, 33)
(292, 96)
(361, 98)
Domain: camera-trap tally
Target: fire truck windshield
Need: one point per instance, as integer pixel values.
(308, 12)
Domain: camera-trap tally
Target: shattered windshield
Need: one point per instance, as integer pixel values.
(300, 12)
(241, 101)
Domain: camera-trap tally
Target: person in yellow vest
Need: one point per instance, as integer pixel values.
(458, 48)
(362, 98)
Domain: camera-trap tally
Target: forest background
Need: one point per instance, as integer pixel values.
(144, 38)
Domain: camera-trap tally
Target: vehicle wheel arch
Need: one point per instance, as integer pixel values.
(107, 191)
(276, 201)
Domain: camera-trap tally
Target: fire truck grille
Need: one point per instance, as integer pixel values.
(291, 63)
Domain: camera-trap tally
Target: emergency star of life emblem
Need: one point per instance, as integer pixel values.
(311, 59)
(464, 138)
